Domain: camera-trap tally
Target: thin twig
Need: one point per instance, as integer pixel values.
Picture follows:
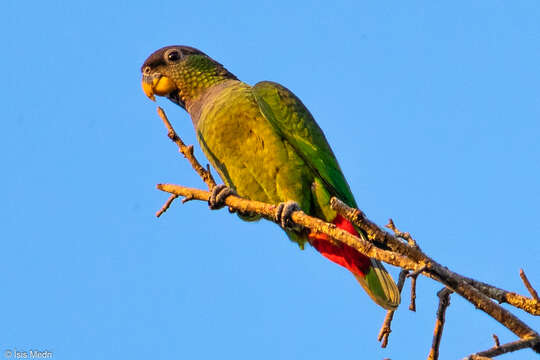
(187, 151)
(506, 348)
(529, 305)
(528, 285)
(186, 199)
(404, 235)
(412, 305)
(166, 206)
(414, 277)
(444, 302)
(385, 331)
(496, 339)
(418, 272)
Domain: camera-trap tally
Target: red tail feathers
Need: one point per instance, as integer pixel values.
(341, 254)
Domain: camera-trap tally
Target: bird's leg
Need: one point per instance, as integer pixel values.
(283, 214)
(218, 195)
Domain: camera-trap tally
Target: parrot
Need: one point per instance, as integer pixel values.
(266, 146)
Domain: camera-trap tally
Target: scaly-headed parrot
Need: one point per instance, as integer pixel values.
(266, 146)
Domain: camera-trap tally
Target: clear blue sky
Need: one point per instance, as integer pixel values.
(433, 111)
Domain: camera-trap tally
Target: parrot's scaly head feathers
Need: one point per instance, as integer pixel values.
(181, 73)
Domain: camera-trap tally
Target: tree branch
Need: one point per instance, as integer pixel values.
(434, 270)
(529, 305)
(528, 285)
(506, 348)
(385, 331)
(187, 151)
(299, 217)
(496, 340)
(166, 206)
(406, 255)
(444, 302)
(412, 305)
(376, 234)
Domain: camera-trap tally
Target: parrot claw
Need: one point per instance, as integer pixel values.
(283, 214)
(218, 195)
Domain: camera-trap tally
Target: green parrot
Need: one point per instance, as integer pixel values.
(266, 146)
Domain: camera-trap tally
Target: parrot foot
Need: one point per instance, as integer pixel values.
(218, 195)
(283, 214)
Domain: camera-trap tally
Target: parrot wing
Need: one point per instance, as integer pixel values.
(293, 121)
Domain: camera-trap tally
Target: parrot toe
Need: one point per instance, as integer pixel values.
(283, 214)
(218, 195)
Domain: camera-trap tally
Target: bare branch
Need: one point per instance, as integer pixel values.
(506, 348)
(413, 276)
(528, 285)
(385, 331)
(434, 270)
(529, 305)
(186, 199)
(412, 305)
(404, 235)
(166, 206)
(376, 234)
(300, 218)
(406, 255)
(187, 151)
(444, 302)
(496, 339)
(418, 272)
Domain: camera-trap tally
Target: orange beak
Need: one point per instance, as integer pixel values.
(160, 86)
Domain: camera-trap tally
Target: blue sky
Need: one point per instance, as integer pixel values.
(433, 111)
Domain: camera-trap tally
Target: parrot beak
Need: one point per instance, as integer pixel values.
(157, 84)
(148, 90)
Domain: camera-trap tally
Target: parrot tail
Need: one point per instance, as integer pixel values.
(370, 273)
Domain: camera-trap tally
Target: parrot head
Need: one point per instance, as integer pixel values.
(180, 73)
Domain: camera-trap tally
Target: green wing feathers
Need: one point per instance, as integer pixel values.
(293, 121)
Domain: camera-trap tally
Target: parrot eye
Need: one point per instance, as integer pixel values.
(173, 56)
